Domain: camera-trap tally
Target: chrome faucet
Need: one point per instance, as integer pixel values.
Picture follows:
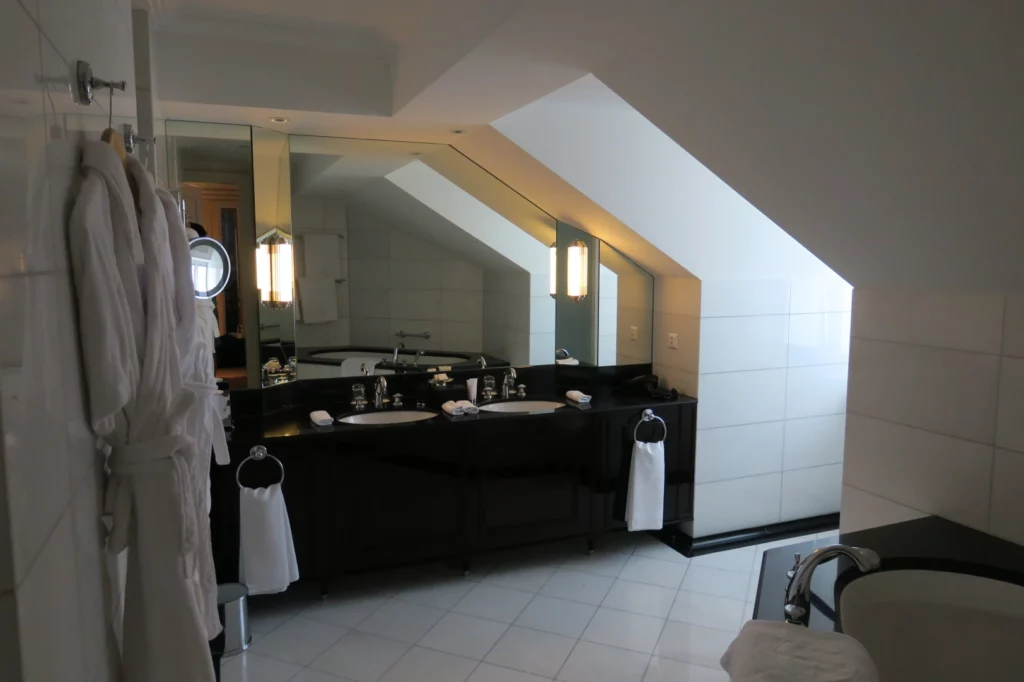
(482, 361)
(380, 393)
(798, 594)
(508, 380)
(419, 354)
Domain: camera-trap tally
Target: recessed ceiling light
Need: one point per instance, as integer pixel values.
(458, 131)
(415, 153)
(278, 119)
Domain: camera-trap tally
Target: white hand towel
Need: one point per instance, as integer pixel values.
(321, 418)
(322, 255)
(452, 408)
(267, 559)
(645, 498)
(770, 651)
(468, 407)
(578, 396)
(567, 361)
(318, 298)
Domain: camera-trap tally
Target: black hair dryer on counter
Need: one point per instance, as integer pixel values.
(649, 383)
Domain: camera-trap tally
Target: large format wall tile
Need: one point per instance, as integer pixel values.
(739, 451)
(741, 398)
(815, 391)
(862, 510)
(1007, 515)
(739, 503)
(819, 339)
(814, 441)
(733, 344)
(811, 492)
(1010, 424)
(742, 298)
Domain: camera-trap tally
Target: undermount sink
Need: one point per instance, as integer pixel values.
(936, 625)
(382, 418)
(522, 406)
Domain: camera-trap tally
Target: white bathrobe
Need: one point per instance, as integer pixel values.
(121, 263)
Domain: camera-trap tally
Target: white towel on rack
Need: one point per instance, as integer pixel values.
(645, 498)
(318, 298)
(267, 562)
(321, 255)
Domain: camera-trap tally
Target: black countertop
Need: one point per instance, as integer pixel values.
(929, 543)
(295, 423)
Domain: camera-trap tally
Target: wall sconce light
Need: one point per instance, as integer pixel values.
(274, 275)
(553, 269)
(576, 271)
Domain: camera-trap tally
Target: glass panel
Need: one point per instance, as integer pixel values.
(575, 304)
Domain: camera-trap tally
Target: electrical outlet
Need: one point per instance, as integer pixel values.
(673, 340)
(634, 333)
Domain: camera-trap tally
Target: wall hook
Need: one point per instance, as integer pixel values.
(85, 83)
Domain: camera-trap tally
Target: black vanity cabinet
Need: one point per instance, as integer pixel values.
(530, 479)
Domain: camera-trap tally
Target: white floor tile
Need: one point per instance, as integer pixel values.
(561, 617)
(659, 550)
(654, 571)
(402, 621)
(693, 643)
(752, 585)
(576, 586)
(624, 630)
(299, 641)
(708, 610)
(731, 584)
(540, 653)
(425, 665)
(741, 559)
(463, 635)
(347, 611)
(649, 600)
(494, 603)
(251, 667)
(528, 578)
(667, 670)
(493, 673)
(310, 675)
(608, 564)
(590, 662)
(443, 594)
(360, 657)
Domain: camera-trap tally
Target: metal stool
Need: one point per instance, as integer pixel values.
(233, 608)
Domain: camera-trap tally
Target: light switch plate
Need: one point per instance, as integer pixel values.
(634, 333)
(673, 340)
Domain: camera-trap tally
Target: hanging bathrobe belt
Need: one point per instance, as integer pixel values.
(146, 457)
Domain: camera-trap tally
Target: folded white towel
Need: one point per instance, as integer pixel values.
(645, 497)
(453, 408)
(578, 396)
(267, 558)
(770, 651)
(567, 361)
(318, 297)
(321, 418)
(467, 407)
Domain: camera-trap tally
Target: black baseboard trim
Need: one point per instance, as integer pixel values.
(691, 547)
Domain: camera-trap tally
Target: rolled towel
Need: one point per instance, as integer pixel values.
(578, 397)
(771, 651)
(321, 418)
(567, 361)
(467, 407)
(453, 408)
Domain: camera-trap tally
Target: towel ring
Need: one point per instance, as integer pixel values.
(649, 416)
(257, 453)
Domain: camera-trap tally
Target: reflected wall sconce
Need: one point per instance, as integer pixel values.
(576, 271)
(553, 269)
(274, 274)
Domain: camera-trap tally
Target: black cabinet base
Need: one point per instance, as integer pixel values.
(749, 536)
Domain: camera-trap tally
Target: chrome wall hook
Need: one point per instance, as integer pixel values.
(131, 140)
(86, 83)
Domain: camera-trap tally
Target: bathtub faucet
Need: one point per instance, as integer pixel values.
(798, 594)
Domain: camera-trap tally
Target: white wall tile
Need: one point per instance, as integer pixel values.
(412, 304)
(939, 390)
(462, 306)
(819, 339)
(862, 510)
(462, 336)
(307, 214)
(831, 295)
(542, 349)
(741, 298)
(432, 326)
(458, 274)
(687, 327)
(607, 315)
(372, 303)
(741, 398)
(1007, 514)
(99, 648)
(1010, 424)
(606, 351)
(923, 470)
(677, 295)
(404, 246)
(368, 242)
(542, 315)
(739, 451)
(736, 504)
(681, 380)
(811, 492)
(537, 284)
(815, 391)
(732, 344)
(814, 441)
(959, 321)
(1013, 326)
(369, 273)
(414, 274)
(370, 332)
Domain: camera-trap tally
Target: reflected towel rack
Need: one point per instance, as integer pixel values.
(402, 335)
(649, 416)
(257, 453)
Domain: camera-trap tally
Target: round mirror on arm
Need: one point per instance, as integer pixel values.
(211, 267)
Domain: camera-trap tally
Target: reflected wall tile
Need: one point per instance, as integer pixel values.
(10, 656)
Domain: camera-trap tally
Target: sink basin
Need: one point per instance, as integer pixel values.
(382, 418)
(936, 625)
(522, 406)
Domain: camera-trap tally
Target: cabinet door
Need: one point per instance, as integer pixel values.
(405, 500)
(532, 479)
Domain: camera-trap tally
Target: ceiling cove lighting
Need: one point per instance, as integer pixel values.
(576, 271)
(553, 269)
(274, 269)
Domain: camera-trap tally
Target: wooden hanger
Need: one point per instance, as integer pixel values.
(111, 136)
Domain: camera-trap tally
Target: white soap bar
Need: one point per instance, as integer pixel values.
(321, 418)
